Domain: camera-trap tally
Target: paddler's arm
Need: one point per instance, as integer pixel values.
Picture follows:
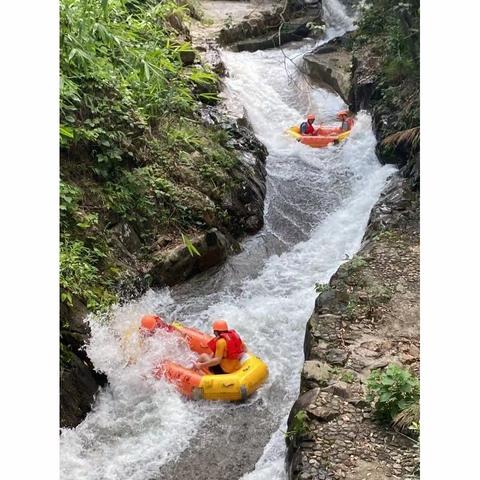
(215, 360)
(209, 363)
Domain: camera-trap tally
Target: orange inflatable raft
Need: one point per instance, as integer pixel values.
(238, 385)
(323, 137)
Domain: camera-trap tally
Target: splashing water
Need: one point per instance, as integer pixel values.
(316, 210)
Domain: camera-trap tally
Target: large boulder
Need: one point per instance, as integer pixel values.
(366, 70)
(78, 386)
(181, 262)
(330, 66)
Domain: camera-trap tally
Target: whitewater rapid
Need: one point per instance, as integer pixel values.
(316, 210)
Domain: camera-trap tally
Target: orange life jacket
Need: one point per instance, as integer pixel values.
(235, 347)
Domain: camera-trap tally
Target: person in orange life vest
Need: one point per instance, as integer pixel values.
(307, 128)
(227, 348)
(347, 122)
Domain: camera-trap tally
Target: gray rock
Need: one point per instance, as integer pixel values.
(127, 236)
(187, 57)
(337, 356)
(330, 66)
(316, 372)
(179, 264)
(78, 385)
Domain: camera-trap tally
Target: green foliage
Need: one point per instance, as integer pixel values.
(355, 264)
(392, 30)
(133, 150)
(351, 308)
(120, 71)
(69, 200)
(299, 425)
(392, 391)
(396, 22)
(79, 275)
(322, 287)
(192, 249)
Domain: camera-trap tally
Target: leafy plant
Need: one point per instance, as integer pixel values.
(392, 391)
(391, 31)
(134, 151)
(356, 263)
(299, 425)
(79, 275)
(322, 287)
(192, 250)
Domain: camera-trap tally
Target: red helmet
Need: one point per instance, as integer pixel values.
(342, 114)
(150, 323)
(220, 326)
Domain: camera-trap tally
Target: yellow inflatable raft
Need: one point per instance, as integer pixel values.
(238, 385)
(324, 136)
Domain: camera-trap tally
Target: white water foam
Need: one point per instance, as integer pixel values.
(317, 206)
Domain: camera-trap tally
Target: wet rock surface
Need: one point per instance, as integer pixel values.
(179, 264)
(78, 385)
(330, 66)
(366, 319)
(269, 28)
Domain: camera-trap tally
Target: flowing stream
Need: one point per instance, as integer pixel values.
(316, 210)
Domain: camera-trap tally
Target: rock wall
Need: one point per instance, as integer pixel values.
(274, 27)
(366, 318)
(330, 66)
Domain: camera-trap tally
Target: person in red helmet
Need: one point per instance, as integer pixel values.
(151, 323)
(347, 121)
(133, 345)
(227, 349)
(307, 128)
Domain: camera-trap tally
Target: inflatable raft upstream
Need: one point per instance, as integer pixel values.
(238, 385)
(323, 137)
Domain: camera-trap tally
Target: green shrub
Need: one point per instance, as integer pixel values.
(79, 275)
(299, 425)
(391, 29)
(392, 391)
(322, 287)
(133, 149)
(120, 71)
(356, 264)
